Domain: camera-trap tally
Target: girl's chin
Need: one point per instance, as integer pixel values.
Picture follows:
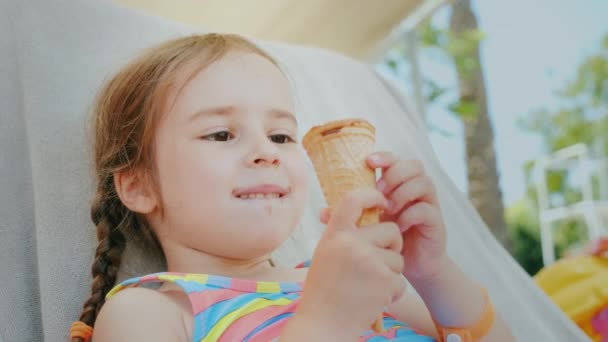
(264, 235)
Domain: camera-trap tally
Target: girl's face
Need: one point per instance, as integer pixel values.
(231, 173)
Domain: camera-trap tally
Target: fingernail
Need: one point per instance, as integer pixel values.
(381, 185)
(375, 158)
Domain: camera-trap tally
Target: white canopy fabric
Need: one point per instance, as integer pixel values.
(359, 28)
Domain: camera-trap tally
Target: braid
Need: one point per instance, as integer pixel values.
(111, 217)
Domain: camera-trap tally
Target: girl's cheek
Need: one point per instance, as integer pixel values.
(300, 171)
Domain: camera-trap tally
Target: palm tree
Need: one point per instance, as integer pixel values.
(482, 174)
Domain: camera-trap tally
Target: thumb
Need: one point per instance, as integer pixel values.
(346, 214)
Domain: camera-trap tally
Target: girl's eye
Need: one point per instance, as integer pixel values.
(219, 136)
(281, 138)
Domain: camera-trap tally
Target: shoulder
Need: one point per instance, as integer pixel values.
(140, 314)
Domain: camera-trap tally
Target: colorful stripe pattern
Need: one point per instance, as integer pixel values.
(229, 309)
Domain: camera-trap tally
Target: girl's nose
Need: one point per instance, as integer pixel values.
(264, 153)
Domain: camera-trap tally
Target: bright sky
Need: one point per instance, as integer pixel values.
(532, 48)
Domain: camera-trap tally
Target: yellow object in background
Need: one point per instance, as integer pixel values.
(579, 286)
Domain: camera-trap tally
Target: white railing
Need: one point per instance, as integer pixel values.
(592, 209)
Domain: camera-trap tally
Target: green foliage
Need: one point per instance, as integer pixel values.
(566, 126)
(591, 83)
(457, 49)
(463, 48)
(568, 235)
(392, 63)
(464, 109)
(526, 250)
(433, 91)
(524, 230)
(432, 36)
(556, 181)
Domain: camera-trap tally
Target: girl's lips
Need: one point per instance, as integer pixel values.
(261, 191)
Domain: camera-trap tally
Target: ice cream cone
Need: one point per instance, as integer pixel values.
(338, 150)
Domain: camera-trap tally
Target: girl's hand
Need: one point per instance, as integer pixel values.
(355, 272)
(414, 207)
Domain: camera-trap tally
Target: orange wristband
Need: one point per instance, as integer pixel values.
(471, 333)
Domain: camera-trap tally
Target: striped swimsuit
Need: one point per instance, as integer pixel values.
(230, 309)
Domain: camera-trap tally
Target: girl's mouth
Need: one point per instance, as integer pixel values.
(266, 196)
(261, 192)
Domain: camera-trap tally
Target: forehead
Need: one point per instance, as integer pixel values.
(243, 80)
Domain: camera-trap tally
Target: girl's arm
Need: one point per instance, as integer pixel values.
(453, 300)
(411, 310)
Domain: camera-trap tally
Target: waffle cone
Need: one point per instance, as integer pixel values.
(338, 150)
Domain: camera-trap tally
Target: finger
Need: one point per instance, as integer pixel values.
(381, 159)
(325, 216)
(349, 209)
(384, 235)
(393, 260)
(417, 189)
(420, 213)
(400, 172)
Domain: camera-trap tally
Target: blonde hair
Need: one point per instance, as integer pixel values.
(126, 114)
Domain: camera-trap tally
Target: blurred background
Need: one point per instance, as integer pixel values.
(514, 94)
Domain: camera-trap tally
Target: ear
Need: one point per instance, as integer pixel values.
(135, 191)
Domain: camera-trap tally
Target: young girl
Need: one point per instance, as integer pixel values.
(196, 147)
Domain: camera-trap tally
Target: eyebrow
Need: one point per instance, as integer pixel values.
(231, 110)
